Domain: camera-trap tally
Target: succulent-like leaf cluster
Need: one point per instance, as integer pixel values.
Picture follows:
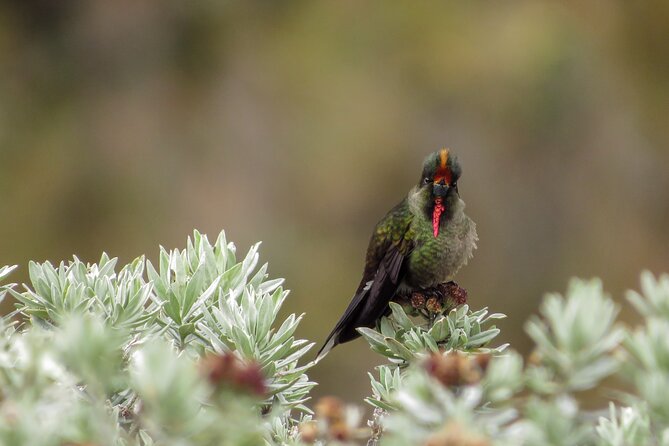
(127, 353)
(401, 339)
(447, 399)
(210, 302)
(404, 340)
(574, 339)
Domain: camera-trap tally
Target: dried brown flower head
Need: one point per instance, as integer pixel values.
(454, 434)
(434, 305)
(453, 293)
(535, 358)
(418, 300)
(226, 370)
(482, 360)
(456, 369)
(331, 411)
(309, 432)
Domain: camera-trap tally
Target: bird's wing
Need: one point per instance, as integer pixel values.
(386, 255)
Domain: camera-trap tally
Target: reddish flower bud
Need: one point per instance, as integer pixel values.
(454, 369)
(309, 432)
(418, 300)
(227, 370)
(434, 305)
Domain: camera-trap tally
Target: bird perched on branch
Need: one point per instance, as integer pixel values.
(421, 243)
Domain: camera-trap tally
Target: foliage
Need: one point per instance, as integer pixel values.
(403, 341)
(190, 351)
(448, 399)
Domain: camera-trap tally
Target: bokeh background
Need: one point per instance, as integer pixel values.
(125, 124)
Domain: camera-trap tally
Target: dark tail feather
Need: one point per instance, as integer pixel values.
(349, 316)
(369, 304)
(329, 345)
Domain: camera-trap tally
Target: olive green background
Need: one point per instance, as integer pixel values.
(126, 124)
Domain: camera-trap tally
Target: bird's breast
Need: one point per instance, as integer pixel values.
(435, 260)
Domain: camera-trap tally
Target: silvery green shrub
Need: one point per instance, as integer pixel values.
(106, 355)
(578, 344)
(190, 351)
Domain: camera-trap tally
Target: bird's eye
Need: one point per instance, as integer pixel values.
(426, 180)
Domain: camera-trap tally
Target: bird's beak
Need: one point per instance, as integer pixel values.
(440, 188)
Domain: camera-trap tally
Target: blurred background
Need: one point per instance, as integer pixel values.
(125, 124)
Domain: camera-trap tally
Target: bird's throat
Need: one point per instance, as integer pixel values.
(436, 215)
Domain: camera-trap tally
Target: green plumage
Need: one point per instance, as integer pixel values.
(430, 260)
(393, 229)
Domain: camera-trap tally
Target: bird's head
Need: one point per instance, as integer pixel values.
(439, 185)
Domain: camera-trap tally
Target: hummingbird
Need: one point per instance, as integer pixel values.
(419, 244)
